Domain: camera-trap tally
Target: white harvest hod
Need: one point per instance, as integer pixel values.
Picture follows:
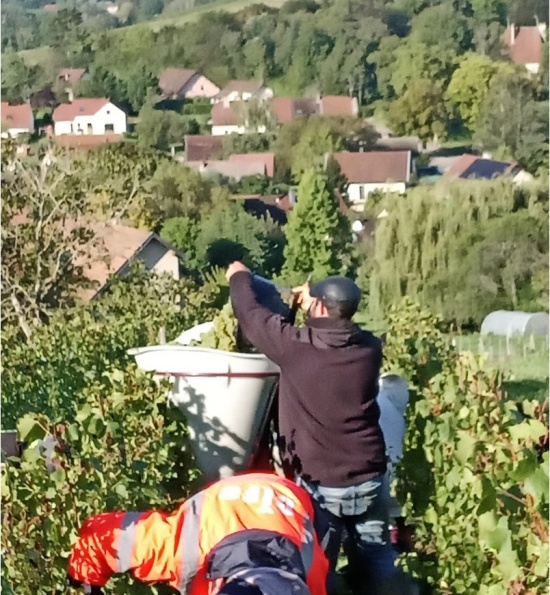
(225, 397)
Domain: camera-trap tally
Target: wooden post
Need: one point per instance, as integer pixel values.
(162, 335)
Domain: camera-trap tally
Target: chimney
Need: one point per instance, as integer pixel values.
(292, 197)
(512, 34)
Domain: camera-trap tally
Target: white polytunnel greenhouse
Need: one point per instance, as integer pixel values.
(508, 323)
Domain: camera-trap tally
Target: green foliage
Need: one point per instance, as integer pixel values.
(18, 79)
(123, 449)
(223, 334)
(470, 84)
(474, 476)
(182, 232)
(435, 247)
(318, 234)
(514, 125)
(159, 129)
(420, 111)
(46, 374)
(244, 143)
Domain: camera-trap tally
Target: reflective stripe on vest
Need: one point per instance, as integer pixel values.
(308, 544)
(126, 540)
(190, 542)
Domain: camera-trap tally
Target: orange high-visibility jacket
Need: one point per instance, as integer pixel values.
(174, 548)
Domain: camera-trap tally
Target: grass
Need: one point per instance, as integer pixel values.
(41, 55)
(193, 14)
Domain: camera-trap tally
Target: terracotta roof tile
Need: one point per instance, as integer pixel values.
(203, 147)
(339, 105)
(222, 115)
(527, 45)
(67, 112)
(16, 116)
(71, 75)
(172, 80)
(288, 108)
(373, 167)
(267, 161)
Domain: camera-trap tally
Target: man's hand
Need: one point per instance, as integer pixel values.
(235, 267)
(302, 297)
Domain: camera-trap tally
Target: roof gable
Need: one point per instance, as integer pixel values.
(172, 80)
(79, 107)
(524, 44)
(240, 87)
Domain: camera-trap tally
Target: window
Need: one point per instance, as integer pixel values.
(109, 128)
(361, 192)
(108, 111)
(90, 129)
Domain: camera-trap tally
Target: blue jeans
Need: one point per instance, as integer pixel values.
(362, 511)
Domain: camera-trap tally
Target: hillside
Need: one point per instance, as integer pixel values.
(42, 55)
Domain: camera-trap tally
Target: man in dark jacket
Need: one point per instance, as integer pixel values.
(329, 435)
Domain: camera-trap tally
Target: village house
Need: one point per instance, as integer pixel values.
(16, 120)
(524, 45)
(237, 166)
(231, 119)
(118, 246)
(370, 171)
(239, 90)
(287, 109)
(202, 147)
(89, 116)
(182, 83)
(475, 167)
(70, 78)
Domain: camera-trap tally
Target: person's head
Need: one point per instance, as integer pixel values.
(336, 297)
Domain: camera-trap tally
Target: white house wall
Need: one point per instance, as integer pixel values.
(354, 190)
(108, 114)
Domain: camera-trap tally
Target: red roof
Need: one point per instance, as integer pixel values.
(526, 47)
(240, 87)
(372, 167)
(71, 75)
(67, 112)
(202, 147)
(17, 116)
(226, 116)
(339, 105)
(172, 80)
(266, 159)
(288, 108)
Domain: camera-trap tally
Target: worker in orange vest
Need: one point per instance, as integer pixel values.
(250, 534)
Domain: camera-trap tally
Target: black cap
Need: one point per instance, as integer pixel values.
(336, 290)
(238, 587)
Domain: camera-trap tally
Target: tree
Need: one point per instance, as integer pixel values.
(244, 143)
(44, 238)
(318, 234)
(140, 82)
(159, 129)
(442, 26)
(421, 111)
(414, 60)
(175, 190)
(18, 80)
(513, 124)
(470, 84)
(182, 232)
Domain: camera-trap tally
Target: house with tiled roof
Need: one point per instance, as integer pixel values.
(243, 90)
(524, 45)
(287, 109)
(70, 78)
(202, 147)
(16, 119)
(370, 171)
(237, 166)
(476, 167)
(184, 83)
(231, 118)
(89, 116)
(117, 247)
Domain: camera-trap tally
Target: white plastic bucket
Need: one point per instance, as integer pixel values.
(225, 397)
